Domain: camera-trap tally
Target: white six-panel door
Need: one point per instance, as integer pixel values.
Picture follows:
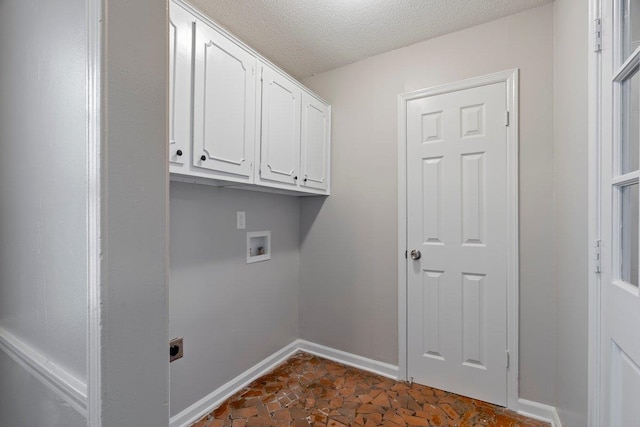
(457, 220)
(224, 106)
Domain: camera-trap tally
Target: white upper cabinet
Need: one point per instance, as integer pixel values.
(315, 143)
(181, 30)
(280, 134)
(235, 119)
(224, 106)
(295, 136)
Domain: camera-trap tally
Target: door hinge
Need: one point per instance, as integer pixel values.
(508, 359)
(597, 262)
(506, 118)
(597, 35)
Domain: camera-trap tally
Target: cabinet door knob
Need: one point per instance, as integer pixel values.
(305, 180)
(295, 178)
(179, 153)
(203, 158)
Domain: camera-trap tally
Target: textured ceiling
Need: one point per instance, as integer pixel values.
(306, 37)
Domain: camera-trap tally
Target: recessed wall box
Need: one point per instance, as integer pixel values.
(258, 246)
(176, 349)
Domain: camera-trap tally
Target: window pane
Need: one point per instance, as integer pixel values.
(629, 234)
(630, 27)
(630, 124)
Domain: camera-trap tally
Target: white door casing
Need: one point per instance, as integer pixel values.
(224, 105)
(458, 185)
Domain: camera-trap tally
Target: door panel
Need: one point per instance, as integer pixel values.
(432, 283)
(457, 218)
(625, 387)
(315, 143)
(474, 338)
(280, 149)
(224, 107)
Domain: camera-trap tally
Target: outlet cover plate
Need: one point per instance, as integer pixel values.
(241, 220)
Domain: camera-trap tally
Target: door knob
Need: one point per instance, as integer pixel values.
(415, 254)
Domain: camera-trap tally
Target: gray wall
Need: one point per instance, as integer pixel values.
(43, 177)
(348, 273)
(231, 314)
(42, 200)
(571, 35)
(135, 362)
(24, 401)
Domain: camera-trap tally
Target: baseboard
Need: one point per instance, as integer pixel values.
(66, 386)
(349, 359)
(208, 403)
(539, 411)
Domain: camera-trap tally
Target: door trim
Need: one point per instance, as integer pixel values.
(510, 77)
(94, 190)
(594, 207)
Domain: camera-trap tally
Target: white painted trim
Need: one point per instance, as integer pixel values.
(513, 240)
(402, 239)
(349, 359)
(94, 248)
(510, 77)
(499, 77)
(211, 401)
(594, 204)
(539, 411)
(65, 385)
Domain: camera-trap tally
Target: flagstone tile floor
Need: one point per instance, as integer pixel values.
(311, 391)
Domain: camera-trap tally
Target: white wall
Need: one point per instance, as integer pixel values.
(24, 401)
(571, 36)
(135, 344)
(43, 246)
(43, 178)
(231, 314)
(348, 287)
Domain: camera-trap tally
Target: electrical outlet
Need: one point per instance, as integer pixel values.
(241, 220)
(175, 349)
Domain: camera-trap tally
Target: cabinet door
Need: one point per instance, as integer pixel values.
(224, 106)
(316, 128)
(280, 142)
(181, 30)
